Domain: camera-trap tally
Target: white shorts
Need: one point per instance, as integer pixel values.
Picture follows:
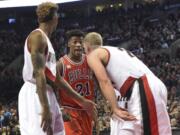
(30, 109)
(121, 127)
(159, 92)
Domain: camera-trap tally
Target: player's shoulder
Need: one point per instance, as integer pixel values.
(62, 58)
(61, 61)
(96, 55)
(36, 40)
(36, 35)
(100, 52)
(94, 52)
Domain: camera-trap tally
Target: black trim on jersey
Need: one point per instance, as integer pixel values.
(145, 110)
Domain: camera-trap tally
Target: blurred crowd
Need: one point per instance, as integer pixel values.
(9, 119)
(145, 33)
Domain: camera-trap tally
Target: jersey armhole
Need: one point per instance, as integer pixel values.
(108, 56)
(29, 49)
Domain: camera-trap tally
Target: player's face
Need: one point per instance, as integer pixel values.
(55, 20)
(75, 46)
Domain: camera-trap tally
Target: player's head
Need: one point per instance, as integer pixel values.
(74, 42)
(47, 12)
(92, 41)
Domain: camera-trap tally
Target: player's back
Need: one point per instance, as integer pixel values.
(123, 64)
(144, 93)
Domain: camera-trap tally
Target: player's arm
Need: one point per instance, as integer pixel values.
(59, 67)
(59, 70)
(96, 61)
(66, 116)
(37, 45)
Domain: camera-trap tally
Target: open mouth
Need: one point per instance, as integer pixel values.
(78, 50)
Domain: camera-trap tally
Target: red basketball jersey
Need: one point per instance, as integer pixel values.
(80, 77)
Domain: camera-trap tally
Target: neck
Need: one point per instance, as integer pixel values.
(45, 27)
(90, 49)
(74, 58)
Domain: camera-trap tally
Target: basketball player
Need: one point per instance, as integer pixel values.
(39, 112)
(74, 69)
(143, 94)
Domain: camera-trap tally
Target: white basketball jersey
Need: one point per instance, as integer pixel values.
(122, 65)
(50, 70)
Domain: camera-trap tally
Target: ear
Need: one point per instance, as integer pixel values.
(68, 44)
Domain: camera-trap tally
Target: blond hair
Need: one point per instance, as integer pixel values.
(45, 11)
(94, 38)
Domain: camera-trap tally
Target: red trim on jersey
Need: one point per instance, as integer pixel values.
(108, 55)
(151, 107)
(28, 46)
(150, 101)
(49, 74)
(73, 62)
(127, 84)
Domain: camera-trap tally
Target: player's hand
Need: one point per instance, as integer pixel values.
(90, 106)
(66, 116)
(46, 121)
(50, 131)
(123, 114)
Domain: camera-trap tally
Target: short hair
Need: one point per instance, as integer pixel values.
(74, 32)
(45, 11)
(93, 38)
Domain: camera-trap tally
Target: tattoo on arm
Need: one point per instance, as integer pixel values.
(38, 63)
(38, 46)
